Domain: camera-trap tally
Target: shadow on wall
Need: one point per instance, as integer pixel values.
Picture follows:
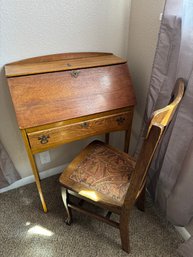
(9, 130)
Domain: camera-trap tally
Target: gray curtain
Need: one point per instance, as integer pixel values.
(8, 173)
(170, 178)
(171, 172)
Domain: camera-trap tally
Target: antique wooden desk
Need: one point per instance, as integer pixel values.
(66, 97)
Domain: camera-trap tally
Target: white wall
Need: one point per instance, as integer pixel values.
(38, 27)
(143, 35)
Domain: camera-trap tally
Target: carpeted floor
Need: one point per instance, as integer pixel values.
(21, 218)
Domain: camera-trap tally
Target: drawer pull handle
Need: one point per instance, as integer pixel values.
(120, 120)
(43, 139)
(75, 73)
(85, 125)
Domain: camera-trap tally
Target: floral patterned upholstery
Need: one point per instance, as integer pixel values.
(105, 170)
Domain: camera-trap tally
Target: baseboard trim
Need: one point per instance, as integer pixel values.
(183, 232)
(31, 179)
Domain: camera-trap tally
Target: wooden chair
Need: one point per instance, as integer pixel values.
(111, 179)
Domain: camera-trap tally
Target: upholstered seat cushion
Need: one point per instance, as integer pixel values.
(104, 170)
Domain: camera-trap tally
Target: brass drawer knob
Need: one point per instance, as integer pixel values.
(85, 125)
(75, 73)
(120, 120)
(43, 139)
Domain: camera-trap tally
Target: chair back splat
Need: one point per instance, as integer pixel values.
(111, 179)
(159, 121)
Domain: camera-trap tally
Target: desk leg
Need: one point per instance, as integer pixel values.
(127, 136)
(107, 135)
(35, 170)
(127, 139)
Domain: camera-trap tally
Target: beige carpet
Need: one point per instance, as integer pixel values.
(21, 219)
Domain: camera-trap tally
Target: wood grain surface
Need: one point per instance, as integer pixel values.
(79, 130)
(60, 63)
(52, 97)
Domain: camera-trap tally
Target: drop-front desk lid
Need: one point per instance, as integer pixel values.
(59, 87)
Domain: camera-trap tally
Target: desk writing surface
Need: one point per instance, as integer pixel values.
(52, 97)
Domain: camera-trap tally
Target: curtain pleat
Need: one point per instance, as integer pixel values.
(171, 172)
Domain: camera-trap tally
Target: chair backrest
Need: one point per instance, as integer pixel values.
(159, 121)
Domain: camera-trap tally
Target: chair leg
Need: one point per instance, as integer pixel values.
(124, 231)
(68, 219)
(140, 203)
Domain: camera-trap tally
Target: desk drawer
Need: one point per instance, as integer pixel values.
(52, 137)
